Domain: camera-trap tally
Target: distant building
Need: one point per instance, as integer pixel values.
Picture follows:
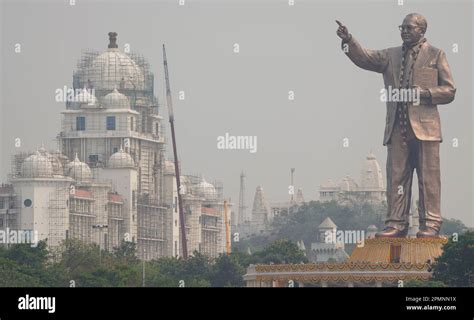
(370, 188)
(260, 211)
(260, 216)
(203, 205)
(263, 213)
(110, 181)
(324, 251)
(60, 199)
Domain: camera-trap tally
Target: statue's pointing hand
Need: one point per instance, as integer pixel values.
(342, 32)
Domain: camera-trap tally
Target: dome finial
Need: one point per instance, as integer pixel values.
(113, 40)
(76, 158)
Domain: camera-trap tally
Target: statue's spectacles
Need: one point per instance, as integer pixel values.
(407, 27)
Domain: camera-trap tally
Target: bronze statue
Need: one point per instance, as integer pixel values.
(412, 131)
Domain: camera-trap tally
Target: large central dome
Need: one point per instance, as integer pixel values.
(111, 69)
(114, 69)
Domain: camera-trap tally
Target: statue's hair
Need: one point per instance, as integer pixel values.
(420, 20)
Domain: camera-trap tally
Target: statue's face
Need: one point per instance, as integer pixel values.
(410, 31)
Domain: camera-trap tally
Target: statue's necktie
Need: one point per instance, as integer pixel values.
(403, 106)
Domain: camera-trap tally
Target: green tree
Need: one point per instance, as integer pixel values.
(280, 251)
(451, 226)
(126, 252)
(227, 272)
(455, 267)
(27, 265)
(13, 275)
(356, 214)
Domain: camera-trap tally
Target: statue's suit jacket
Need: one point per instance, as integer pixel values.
(424, 118)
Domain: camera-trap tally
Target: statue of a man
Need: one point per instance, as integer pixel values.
(412, 130)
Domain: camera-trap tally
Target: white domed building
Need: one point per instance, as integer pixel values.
(58, 198)
(126, 116)
(111, 170)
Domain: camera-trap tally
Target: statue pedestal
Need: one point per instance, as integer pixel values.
(398, 250)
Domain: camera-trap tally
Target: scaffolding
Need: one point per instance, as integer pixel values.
(9, 204)
(204, 214)
(129, 73)
(81, 216)
(116, 220)
(140, 124)
(58, 216)
(154, 224)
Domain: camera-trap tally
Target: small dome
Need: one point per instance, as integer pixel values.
(121, 159)
(207, 190)
(116, 100)
(36, 165)
(78, 170)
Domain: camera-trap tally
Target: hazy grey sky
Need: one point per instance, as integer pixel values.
(282, 48)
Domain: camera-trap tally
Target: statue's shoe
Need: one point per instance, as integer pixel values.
(428, 233)
(390, 232)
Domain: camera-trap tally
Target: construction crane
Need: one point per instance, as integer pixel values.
(227, 228)
(184, 244)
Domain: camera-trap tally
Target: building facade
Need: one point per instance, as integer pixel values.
(110, 181)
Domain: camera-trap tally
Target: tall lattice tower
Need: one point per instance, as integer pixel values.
(241, 215)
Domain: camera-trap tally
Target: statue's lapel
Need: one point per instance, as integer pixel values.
(423, 56)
